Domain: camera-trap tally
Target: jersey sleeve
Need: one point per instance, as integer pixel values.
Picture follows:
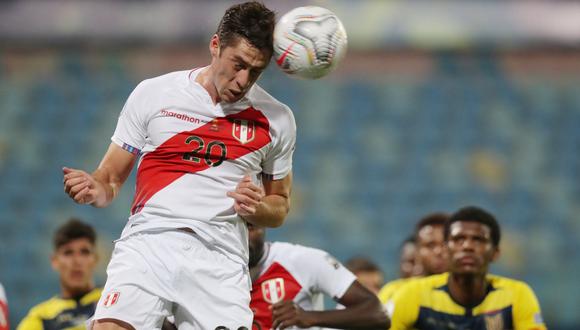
(31, 322)
(329, 276)
(527, 314)
(278, 162)
(131, 130)
(403, 307)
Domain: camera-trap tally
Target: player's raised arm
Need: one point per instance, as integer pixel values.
(266, 206)
(100, 188)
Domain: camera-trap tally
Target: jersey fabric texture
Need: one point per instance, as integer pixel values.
(425, 304)
(59, 314)
(294, 272)
(193, 152)
(3, 310)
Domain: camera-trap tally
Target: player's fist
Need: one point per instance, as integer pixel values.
(287, 314)
(247, 197)
(79, 186)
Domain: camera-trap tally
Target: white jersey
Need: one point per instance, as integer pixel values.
(294, 272)
(193, 152)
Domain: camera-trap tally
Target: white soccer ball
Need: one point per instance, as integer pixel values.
(309, 42)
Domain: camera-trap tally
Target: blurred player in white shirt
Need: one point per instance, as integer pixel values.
(215, 150)
(288, 284)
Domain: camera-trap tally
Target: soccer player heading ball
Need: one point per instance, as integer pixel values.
(203, 136)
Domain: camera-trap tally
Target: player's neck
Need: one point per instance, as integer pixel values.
(468, 290)
(76, 293)
(204, 79)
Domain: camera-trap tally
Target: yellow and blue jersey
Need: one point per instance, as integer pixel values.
(59, 313)
(388, 290)
(426, 304)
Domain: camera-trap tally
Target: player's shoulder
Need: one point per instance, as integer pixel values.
(425, 283)
(508, 284)
(161, 82)
(293, 251)
(300, 257)
(46, 307)
(92, 297)
(391, 287)
(263, 101)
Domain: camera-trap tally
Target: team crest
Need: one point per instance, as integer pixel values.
(111, 299)
(244, 130)
(273, 290)
(494, 322)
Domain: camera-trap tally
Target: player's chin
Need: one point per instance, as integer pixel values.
(230, 97)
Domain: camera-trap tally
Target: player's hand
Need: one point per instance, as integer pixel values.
(286, 314)
(247, 197)
(80, 186)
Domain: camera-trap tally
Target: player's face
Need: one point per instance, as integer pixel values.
(75, 262)
(371, 280)
(431, 249)
(409, 266)
(470, 248)
(256, 243)
(236, 68)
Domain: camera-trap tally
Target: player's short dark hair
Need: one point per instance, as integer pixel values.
(431, 219)
(251, 21)
(71, 230)
(475, 214)
(361, 264)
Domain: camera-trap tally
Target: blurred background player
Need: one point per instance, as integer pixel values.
(4, 321)
(201, 136)
(367, 272)
(467, 296)
(430, 254)
(408, 264)
(429, 236)
(288, 284)
(74, 259)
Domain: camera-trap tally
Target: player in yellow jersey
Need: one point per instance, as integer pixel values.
(75, 259)
(429, 256)
(467, 297)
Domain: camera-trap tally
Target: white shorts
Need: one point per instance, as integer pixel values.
(154, 275)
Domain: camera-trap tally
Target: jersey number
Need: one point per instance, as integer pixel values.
(218, 147)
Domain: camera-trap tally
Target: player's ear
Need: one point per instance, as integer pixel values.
(214, 46)
(496, 254)
(53, 261)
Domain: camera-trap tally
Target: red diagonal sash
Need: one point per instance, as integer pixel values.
(166, 164)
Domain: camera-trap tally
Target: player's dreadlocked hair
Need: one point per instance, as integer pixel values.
(251, 21)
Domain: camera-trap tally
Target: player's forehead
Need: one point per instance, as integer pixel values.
(76, 244)
(430, 233)
(242, 50)
(469, 228)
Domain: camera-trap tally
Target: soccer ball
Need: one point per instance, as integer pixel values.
(309, 42)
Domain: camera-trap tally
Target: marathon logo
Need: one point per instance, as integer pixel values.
(180, 116)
